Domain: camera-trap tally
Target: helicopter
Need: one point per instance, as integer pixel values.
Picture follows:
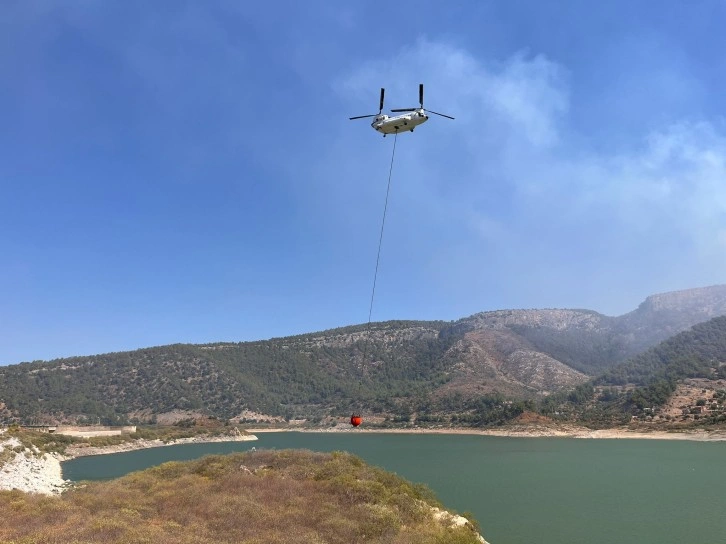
(400, 123)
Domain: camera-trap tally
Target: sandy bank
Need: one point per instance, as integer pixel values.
(83, 450)
(533, 431)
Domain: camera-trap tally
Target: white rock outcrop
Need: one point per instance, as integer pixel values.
(454, 520)
(30, 471)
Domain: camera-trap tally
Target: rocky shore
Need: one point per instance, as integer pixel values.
(30, 471)
(453, 520)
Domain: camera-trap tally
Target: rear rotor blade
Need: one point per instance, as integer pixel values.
(420, 94)
(406, 109)
(380, 107)
(363, 116)
(441, 114)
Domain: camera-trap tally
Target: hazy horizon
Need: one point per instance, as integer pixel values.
(322, 330)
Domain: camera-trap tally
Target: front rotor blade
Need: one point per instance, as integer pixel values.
(420, 94)
(441, 114)
(363, 116)
(405, 109)
(380, 107)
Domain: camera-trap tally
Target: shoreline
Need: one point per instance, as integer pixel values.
(72, 452)
(44, 474)
(32, 473)
(529, 431)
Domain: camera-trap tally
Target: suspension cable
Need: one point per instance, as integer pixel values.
(378, 257)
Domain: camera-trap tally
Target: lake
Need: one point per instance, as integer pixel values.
(521, 490)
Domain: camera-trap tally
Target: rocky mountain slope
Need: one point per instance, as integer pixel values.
(399, 366)
(664, 315)
(680, 381)
(591, 342)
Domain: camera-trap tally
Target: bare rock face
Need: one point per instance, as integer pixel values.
(541, 371)
(497, 360)
(703, 301)
(663, 315)
(31, 471)
(384, 332)
(549, 318)
(590, 342)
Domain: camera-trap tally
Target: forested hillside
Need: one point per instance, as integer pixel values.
(681, 380)
(697, 353)
(296, 376)
(477, 370)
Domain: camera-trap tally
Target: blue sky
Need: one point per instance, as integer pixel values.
(186, 171)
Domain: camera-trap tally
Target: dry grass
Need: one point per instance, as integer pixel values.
(260, 497)
(44, 442)
(58, 443)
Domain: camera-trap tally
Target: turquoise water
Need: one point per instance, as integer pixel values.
(521, 490)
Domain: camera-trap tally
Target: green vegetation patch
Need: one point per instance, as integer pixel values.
(280, 497)
(696, 353)
(644, 383)
(165, 433)
(310, 374)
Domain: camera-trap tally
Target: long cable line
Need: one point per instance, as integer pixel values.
(378, 257)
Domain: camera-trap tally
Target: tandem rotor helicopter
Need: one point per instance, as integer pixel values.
(400, 123)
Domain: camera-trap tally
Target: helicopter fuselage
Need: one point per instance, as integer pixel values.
(399, 123)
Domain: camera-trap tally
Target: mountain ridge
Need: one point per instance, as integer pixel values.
(399, 367)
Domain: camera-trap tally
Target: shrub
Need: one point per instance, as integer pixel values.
(264, 496)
